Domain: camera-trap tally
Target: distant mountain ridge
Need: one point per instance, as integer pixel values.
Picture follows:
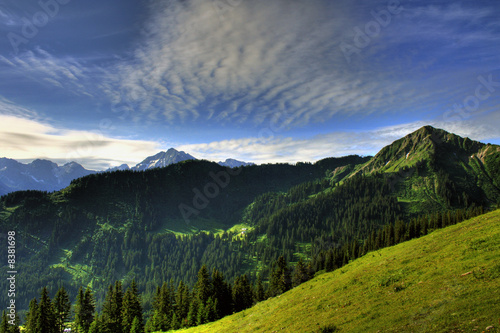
(45, 175)
(232, 163)
(172, 156)
(40, 175)
(163, 159)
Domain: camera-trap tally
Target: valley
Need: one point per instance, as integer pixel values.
(164, 224)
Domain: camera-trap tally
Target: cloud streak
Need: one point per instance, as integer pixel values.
(335, 144)
(264, 57)
(26, 139)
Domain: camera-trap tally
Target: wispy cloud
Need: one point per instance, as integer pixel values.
(10, 108)
(259, 58)
(367, 142)
(263, 57)
(24, 139)
(67, 74)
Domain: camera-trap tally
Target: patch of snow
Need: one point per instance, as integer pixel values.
(38, 181)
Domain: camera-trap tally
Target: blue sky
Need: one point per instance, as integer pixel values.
(110, 82)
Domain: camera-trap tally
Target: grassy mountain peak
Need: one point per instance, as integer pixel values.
(420, 146)
(431, 164)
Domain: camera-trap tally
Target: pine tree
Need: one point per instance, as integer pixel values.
(62, 308)
(131, 308)
(182, 302)
(46, 320)
(136, 326)
(162, 310)
(202, 313)
(193, 313)
(96, 325)
(4, 325)
(260, 295)
(14, 328)
(203, 285)
(329, 261)
(280, 278)
(84, 309)
(242, 294)
(222, 295)
(112, 309)
(301, 274)
(30, 326)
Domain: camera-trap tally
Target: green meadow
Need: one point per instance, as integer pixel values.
(447, 281)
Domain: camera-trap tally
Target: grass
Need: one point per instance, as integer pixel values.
(447, 281)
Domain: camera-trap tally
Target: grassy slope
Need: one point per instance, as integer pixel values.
(417, 286)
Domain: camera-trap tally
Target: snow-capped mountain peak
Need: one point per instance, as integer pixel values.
(162, 159)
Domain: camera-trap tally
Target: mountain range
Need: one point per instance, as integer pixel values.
(39, 175)
(45, 175)
(164, 224)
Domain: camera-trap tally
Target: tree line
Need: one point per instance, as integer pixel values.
(212, 297)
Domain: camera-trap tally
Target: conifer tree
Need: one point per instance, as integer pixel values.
(14, 328)
(84, 309)
(112, 309)
(182, 302)
(203, 285)
(30, 326)
(162, 310)
(45, 320)
(301, 273)
(329, 261)
(242, 293)
(4, 325)
(280, 278)
(260, 294)
(131, 308)
(136, 326)
(222, 295)
(192, 316)
(62, 308)
(96, 325)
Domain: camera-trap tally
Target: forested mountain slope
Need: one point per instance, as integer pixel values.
(431, 168)
(447, 281)
(118, 225)
(164, 224)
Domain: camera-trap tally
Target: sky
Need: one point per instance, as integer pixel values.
(109, 82)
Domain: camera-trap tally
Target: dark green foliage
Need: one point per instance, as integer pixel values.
(9, 325)
(280, 280)
(116, 225)
(112, 309)
(132, 309)
(260, 293)
(301, 273)
(221, 295)
(242, 293)
(84, 309)
(30, 325)
(328, 329)
(96, 325)
(163, 311)
(136, 326)
(62, 309)
(45, 318)
(4, 325)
